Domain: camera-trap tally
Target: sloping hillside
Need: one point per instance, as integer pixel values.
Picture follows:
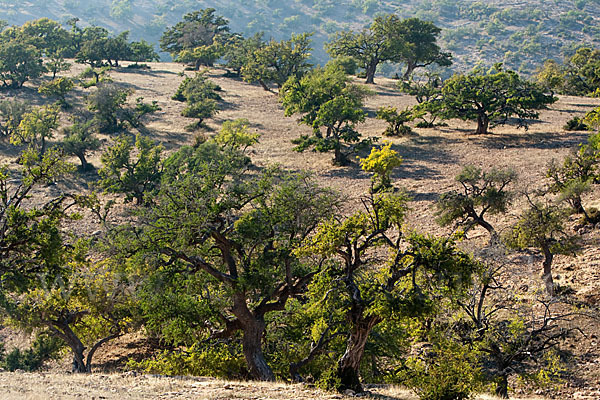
(520, 33)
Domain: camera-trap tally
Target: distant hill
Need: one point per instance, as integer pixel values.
(522, 34)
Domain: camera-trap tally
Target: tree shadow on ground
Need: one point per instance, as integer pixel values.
(537, 140)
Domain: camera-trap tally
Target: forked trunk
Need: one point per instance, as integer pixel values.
(410, 67)
(483, 122)
(252, 345)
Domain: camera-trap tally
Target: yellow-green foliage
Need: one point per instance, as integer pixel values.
(381, 162)
(58, 87)
(221, 360)
(236, 135)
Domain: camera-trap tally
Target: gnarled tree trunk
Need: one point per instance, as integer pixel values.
(547, 274)
(349, 363)
(370, 73)
(483, 123)
(252, 344)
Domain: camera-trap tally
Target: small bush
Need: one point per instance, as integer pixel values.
(576, 124)
(449, 373)
(221, 361)
(44, 348)
(348, 64)
(330, 381)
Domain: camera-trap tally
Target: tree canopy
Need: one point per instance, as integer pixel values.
(410, 41)
(491, 98)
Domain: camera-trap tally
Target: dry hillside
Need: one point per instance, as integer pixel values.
(432, 157)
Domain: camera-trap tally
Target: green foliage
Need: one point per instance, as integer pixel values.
(410, 41)
(576, 124)
(395, 120)
(134, 175)
(326, 99)
(449, 372)
(346, 63)
(142, 51)
(575, 176)
(58, 88)
(219, 360)
(238, 50)
(79, 140)
(492, 97)
(201, 96)
(36, 127)
(82, 304)
(542, 226)
(276, 62)
(482, 193)
(427, 90)
(19, 62)
(92, 47)
(11, 115)
(196, 38)
(264, 215)
(44, 348)
(107, 102)
(381, 162)
(236, 135)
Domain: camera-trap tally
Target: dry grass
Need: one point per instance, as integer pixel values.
(43, 386)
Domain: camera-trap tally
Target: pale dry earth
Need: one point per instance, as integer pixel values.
(129, 386)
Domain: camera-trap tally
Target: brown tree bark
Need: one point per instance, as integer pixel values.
(483, 122)
(547, 274)
(252, 345)
(370, 73)
(349, 363)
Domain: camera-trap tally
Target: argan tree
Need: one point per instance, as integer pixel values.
(481, 193)
(58, 88)
(11, 115)
(201, 97)
(36, 127)
(492, 98)
(276, 62)
(133, 175)
(222, 236)
(362, 289)
(79, 139)
(541, 227)
(19, 62)
(84, 305)
(410, 41)
(325, 99)
(381, 162)
(195, 38)
(396, 120)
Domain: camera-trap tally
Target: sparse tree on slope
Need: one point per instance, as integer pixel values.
(492, 98)
(326, 99)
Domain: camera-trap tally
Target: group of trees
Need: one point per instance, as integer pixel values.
(578, 76)
(231, 264)
(39, 46)
(257, 272)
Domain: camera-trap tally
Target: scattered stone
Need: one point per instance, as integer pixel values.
(349, 392)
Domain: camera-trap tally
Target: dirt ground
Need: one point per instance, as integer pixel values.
(130, 386)
(432, 157)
